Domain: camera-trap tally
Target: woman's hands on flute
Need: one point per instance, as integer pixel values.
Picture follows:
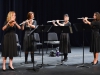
(57, 21)
(86, 21)
(54, 23)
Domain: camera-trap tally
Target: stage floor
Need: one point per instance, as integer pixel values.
(75, 58)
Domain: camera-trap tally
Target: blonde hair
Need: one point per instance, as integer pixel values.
(10, 15)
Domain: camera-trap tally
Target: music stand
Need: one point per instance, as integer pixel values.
(82, 27)
(36, 30)
(42, 29)
(61, 29)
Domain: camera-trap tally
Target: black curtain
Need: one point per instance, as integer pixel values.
(51, 10)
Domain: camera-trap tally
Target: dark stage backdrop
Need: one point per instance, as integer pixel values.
(50, 10)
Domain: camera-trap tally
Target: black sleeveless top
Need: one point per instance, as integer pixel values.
(9, 29)
(95, 26)
(67, 24)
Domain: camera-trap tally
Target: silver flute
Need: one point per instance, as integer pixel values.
(25, 22)
(53, 21)
(83, 18)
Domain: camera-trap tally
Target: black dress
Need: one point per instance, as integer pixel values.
(9, 46)
(95, 38)
(28, 40)
(65, 41)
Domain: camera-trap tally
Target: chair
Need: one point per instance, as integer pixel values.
(37, 39)
(52, 40)
(18, 45)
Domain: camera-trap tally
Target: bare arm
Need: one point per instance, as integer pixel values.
(54, 23)
(23, 26)
(5, 26)
(60, 23)
(32, 26)
(17, 25)
(86, 21)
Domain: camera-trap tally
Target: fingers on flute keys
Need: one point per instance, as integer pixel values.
(85, 18)
(57, 21)
(53, 21)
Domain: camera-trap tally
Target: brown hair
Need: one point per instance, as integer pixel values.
(97, 16)
(29, 14)
(10, 15)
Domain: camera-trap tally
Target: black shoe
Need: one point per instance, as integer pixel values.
(3, 69)
(91, 62)
(26, 62)
(65, 59)
(32, 61)
(95, 63)
(10, 68)
(62, 60)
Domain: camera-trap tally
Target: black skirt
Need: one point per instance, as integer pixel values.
(95, 42)
(28, 43)
(9, 46)
(64, 43)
